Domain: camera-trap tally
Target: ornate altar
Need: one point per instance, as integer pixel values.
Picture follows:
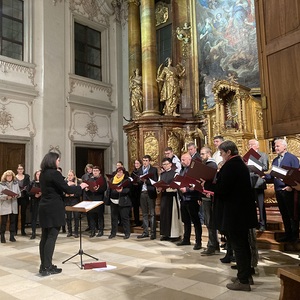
(237, 115)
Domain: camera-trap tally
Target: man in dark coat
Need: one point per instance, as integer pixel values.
(235, 210)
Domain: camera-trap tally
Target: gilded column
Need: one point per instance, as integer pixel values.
(149, 65)
(134, 36)
(239, 107)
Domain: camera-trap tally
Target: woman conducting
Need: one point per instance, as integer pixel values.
(52, 209)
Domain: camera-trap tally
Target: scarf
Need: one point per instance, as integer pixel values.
(117, 180)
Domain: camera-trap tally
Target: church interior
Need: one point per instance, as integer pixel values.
(102, 81)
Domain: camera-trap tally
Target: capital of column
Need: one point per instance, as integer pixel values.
(136, 2)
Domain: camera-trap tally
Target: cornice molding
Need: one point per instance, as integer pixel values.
(9, 64)
(92, 85)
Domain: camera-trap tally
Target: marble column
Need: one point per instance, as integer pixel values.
(134, 36)
(149, 65)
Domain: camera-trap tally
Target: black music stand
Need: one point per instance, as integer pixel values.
(82, 207)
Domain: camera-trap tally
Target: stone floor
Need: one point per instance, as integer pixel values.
(136, 269)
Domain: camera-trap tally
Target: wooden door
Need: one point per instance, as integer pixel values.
(278, 28)
(10, 156)
(89, 156)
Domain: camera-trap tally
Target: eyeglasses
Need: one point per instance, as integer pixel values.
(165, 164)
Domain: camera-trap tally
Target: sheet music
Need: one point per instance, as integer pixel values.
(87, 205)
(279, 170)
(253, 163)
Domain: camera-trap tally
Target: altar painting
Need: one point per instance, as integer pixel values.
(227, 44)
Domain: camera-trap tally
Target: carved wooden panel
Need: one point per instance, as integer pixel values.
(279, 48)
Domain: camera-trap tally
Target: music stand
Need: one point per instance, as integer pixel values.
(82, 207)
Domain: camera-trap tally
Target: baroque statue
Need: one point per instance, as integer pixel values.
(169, 80)
(136, 93)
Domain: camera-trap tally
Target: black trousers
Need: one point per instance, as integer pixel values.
(72, 215)
(12, 225)
(124, 212)
(241, 247)
(34, 207)
(260, 201)
(22, 203)
(96, 216)
(47, 245)
(285, 202)
(189, 213)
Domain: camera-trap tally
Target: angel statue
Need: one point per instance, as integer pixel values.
(169, 84)
(187, 135)
(136, 93)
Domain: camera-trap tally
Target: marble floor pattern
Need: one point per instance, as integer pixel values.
(136, 269)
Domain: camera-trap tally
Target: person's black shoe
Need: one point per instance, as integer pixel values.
(100, 233)
(12, 238)
(152, 237)
(164, 238)
(183, 243)
(127, 236)
(23, 233)
(92, 233)
(3, 240)
(226, 259)
(76, 235)
(32, 236)
(111, 236)
(87, 229)
(51, 270)
(143, 235)
(262, 228)
(69, 234)
(197, 246)
(208, 252)
(234, 267)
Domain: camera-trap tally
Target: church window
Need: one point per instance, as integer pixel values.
(12, 28)
(88, 52)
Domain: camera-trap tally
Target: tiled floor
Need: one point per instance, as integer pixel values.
(137, 269)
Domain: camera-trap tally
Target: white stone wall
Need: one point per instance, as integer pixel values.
(42, 101)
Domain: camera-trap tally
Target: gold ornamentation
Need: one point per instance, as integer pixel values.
(132, 141)
(170, 84)
(151, 146)
(184, 35)
(161, 13)
(136, 93)
(174, 142)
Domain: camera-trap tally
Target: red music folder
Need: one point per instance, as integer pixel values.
(249, 153)
(120, 185)
(199, 170)
(9, 193)
(292, 176)
(109, 176)
(35, 190)
(94, 183)
(255, 166)
(146, 176)
(186, 181)
(160, 184)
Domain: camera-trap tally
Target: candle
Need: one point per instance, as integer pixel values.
(205, 140)
(195, 142)
(255, 134)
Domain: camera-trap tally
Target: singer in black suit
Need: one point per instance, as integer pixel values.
(148, 198)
